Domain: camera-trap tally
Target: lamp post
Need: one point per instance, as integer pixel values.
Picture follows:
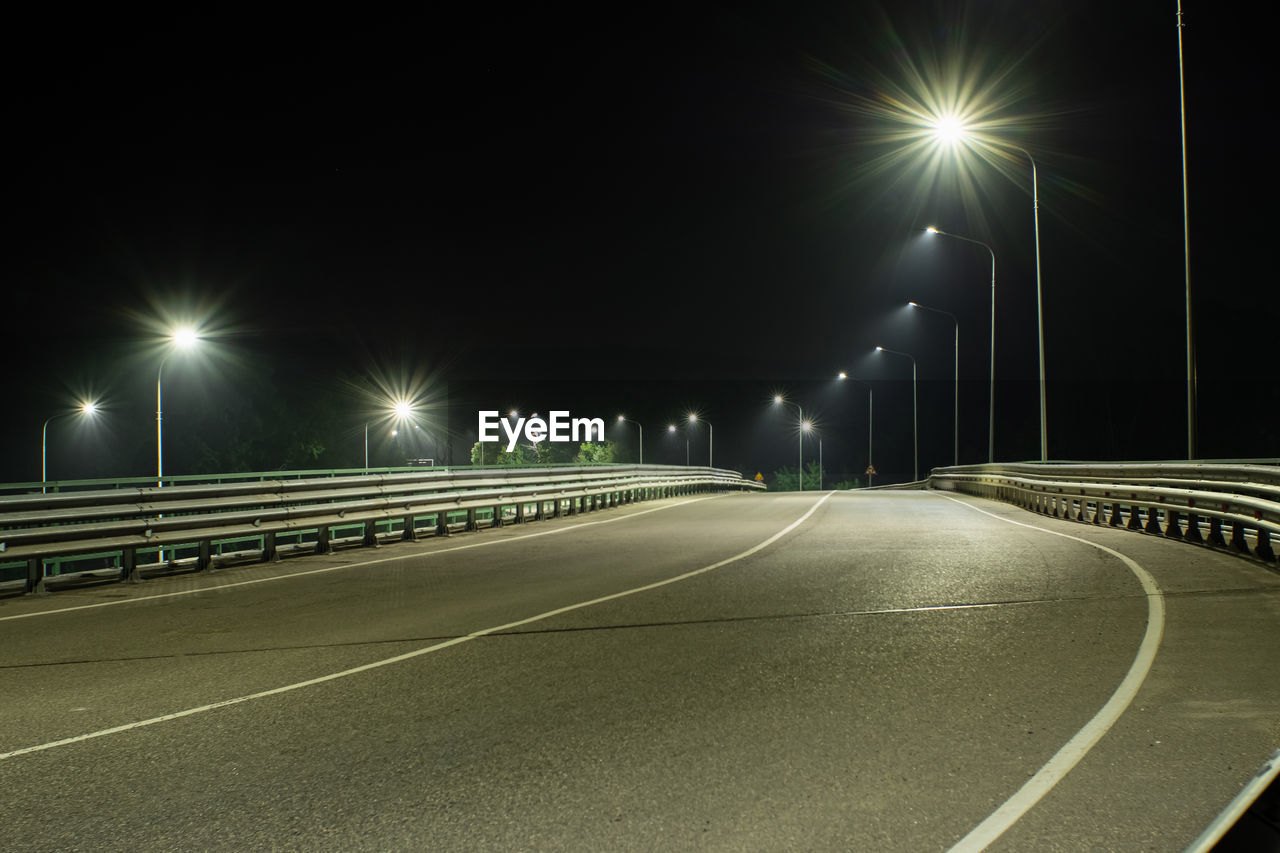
(991, 392)
(808, 427)
(915, 432)
(401, 410)
(711, 438)
(778, 400)
(951, 130)
(87, 409)
(1192, 437)
(955, 417)
(184, 339)
(870, 407)
(622, 419)
(672, 429)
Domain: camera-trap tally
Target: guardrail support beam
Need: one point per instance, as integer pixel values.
(270, 553)
(35, 576)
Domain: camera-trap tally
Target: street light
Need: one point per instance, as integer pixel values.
(778, 400)
(401, 410)
(86, 409)
(711, 438)
(954, 132)
(991, 392)
(956, 414)
(870, 407)
(183, 338)
(622, 419)
(672, 428)
(915, 433)
(807, 426)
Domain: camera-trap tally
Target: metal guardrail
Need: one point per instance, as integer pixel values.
(122, 523)
(1232, 506)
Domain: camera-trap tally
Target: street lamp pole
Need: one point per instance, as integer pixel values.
(955, 417)
(85, 409)
(711, 438)
(991, 392)
(1035, 207)
(622, 419)
(799, 438)
(1192, 437)
(870, 410)
(915, 430)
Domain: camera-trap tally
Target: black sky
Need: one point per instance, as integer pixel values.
(535, 205)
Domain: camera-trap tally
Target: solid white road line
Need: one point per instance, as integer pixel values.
(1075, 749)
(345, 566)
(418, 652)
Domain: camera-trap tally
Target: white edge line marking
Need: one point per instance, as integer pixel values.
(1075, 749)
(189, 712)
(1226, 819)
(344, 566)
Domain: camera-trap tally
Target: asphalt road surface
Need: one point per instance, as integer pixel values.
(852, 671)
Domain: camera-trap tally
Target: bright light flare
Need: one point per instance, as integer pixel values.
(879, 349)
(931, 230)
(842, 375)
(402, 409)
(671, 428)
(950, 129)
(185, 337)
(89, 408)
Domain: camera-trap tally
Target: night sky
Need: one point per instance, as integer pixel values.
(639, 210)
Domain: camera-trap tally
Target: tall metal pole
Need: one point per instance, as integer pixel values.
(1192, 438)
(915, 423)
(1035, 208)
(44, 436)
(955, 418)
(991, 392)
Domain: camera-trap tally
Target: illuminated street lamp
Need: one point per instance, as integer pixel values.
(915, 432)
(956, 414)
(807, 426)
(951, 130)
(671, 428)
(991, 392)
(183, 339)
(711, 438)
(622, 419)
(401, 410)
(870, 408)
(779, 401)
(86, 409)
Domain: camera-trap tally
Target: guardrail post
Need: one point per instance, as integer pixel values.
(1117, 515)
(204, 555)
(410, 531)
(471, 520)
(1153, 520)
(35, 576)
(270, 554)
(371, 535)
(442, 523)
(1135, 517)
(129, 566)
(1215, 532)
(1193, 529)
(323, 546)
(520, 513)
(497, 517)
(1171, 527)
(1238, 542)
(1263, 548)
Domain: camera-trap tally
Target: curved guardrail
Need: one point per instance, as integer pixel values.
(119, 524)
(1231, 506)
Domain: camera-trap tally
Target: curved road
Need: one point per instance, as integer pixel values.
(874, 671)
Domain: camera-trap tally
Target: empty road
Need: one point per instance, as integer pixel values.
(840, 671)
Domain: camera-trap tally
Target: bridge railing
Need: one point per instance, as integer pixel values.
(1232, 506)
(123, 527)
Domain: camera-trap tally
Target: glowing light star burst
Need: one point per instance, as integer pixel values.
(929, 119)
